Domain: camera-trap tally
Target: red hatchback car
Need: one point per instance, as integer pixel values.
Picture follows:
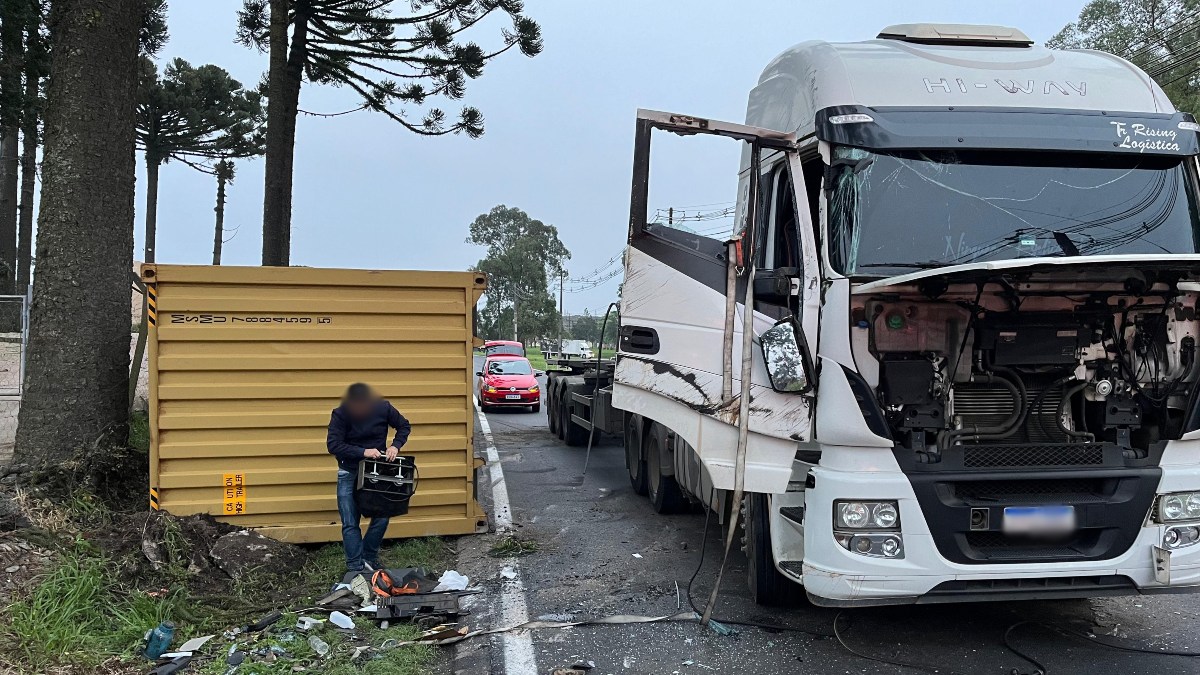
(508, 381)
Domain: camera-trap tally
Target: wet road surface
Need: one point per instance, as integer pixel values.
(601, 550)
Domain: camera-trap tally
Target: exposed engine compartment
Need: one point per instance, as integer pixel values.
(1002, 363)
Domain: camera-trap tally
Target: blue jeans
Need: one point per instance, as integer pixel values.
(358, 547)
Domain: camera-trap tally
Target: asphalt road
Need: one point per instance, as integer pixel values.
(601, 551)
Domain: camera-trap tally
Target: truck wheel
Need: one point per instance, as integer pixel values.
(573, 434)
(663, 491)
(768, 586)
(560, 429)
(551, 409)
(633, 454)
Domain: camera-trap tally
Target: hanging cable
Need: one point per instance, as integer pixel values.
(596, 388)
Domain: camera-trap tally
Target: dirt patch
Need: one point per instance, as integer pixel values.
(22, 563)
(210, 556)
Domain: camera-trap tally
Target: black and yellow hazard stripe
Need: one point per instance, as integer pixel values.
(152, 303)
(154, 499)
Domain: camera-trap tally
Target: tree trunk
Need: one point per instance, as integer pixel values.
(515, 311)
(77, 368)
(9, 180)
(219, 235)
(29, 146)
(152, 166)
(12, 31)
(283, 100)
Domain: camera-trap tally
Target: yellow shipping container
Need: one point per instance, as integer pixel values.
(246, 363)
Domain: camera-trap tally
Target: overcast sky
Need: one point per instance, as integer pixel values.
(558, 144)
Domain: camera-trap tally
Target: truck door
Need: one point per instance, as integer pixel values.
(682, 302)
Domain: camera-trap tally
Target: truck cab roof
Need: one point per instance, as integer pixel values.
(934, 65)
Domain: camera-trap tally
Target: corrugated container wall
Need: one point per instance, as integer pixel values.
(246, 363)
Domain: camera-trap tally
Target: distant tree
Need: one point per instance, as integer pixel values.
(193, 115)
(387, 51)
(522, 254)
(15, 15)
(1160, 36)
(585, 327)
(37, 67)
(223, 170)
(77, 366)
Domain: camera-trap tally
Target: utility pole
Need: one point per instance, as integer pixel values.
(670, 215)
(562, 280)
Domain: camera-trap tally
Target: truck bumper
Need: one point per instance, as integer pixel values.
(834, 576)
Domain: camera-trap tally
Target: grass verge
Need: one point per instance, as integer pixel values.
(83, 615)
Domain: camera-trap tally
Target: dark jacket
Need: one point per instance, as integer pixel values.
(349, 438)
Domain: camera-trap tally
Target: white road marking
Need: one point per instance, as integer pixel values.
(519, 657)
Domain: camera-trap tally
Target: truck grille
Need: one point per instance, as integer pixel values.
(1031, 455)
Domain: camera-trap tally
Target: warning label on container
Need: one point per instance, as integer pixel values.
(234, 485)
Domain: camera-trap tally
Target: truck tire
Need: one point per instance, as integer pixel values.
(574, 435)
(768, 586)
(635, 462)
(663, 491)
(560, 427)
(551, 410)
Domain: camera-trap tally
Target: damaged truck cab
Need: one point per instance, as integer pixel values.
(969, 370)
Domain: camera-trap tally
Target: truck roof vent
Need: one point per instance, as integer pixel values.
(956, 34)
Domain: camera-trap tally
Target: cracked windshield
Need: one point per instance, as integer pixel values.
(899, 212)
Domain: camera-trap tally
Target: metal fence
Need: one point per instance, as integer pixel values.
(14, 336)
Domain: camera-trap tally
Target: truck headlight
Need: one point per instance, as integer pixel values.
(874, 515)
(1178, 506)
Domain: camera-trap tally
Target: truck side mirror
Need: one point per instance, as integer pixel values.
(785, 358)
(775, 286)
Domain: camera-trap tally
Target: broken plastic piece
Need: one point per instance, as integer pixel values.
(318, 645)
(308, 623)
(359, 651)
(341, 620)
(721, 629)
(172, 667)
(451, 580)
(195, 643)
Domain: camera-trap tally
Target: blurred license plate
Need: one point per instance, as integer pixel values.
(1039, 519)
(513, 397)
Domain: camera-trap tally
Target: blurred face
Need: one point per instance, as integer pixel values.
(360, 408)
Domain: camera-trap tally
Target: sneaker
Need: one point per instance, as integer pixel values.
(372, 566)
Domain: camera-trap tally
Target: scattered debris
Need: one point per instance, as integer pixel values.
(195, 644)
(508, 573)
(451, 580)
(307, 623)
(158, 640)
(511, 546)
(445, 631)
(341, 620)
(319, 646)
(263, 623)
(638, 556)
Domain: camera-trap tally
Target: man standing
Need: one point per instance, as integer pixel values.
(358, 430)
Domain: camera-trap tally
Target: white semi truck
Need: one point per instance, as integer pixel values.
(974, 266)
